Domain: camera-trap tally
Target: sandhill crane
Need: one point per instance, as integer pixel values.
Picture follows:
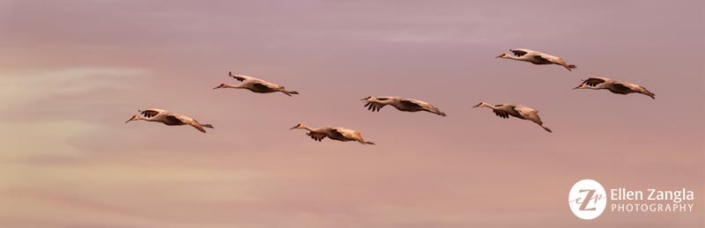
(168, 118)
(536, 57)
(255, 85)
(334, 133)
(402, 104)
(624, 88)
(518, 111)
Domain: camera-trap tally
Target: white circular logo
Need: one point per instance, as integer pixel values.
(587, 199)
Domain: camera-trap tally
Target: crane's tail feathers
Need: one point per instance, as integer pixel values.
(207, 125)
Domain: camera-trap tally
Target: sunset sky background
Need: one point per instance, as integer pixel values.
(71, 73)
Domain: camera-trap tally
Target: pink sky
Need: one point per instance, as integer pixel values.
(73, 71)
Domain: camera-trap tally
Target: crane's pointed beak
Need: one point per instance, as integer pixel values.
(500, 56)
(578, 87)
(131, 119)
(220, 86)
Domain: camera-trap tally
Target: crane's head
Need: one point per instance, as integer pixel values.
(368, 98)
(480, 104)
(503, 55)
(133, 118)
(222, 85)
(298, 126)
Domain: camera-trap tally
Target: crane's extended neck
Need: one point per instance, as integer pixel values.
(489, 106)
(240, 86)
(483, 104)
(302, 126)
(306, 128)
(135, 118)
(510, 56)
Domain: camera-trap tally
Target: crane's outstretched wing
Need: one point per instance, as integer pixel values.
(501, 113)
(375, 106)
(149, 113)
(417, 105)
(347, 134)
(639, 89)
(269, 84)
(259, 86)
(634, 87)
(542, 60)
(413, 104)
(594, 81)
(339, 134)
(316, 136)
(240, 77)
(172, 120)
(518, 52)
(529, 114)
(621, 88)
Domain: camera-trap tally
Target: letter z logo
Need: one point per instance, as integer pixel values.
(587, 199)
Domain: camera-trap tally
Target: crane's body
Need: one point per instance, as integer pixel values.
(519, 111)
(255, 85)
(616, 87)
(334, 133)
(401, 104)
(535, 57)
(168, 118)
